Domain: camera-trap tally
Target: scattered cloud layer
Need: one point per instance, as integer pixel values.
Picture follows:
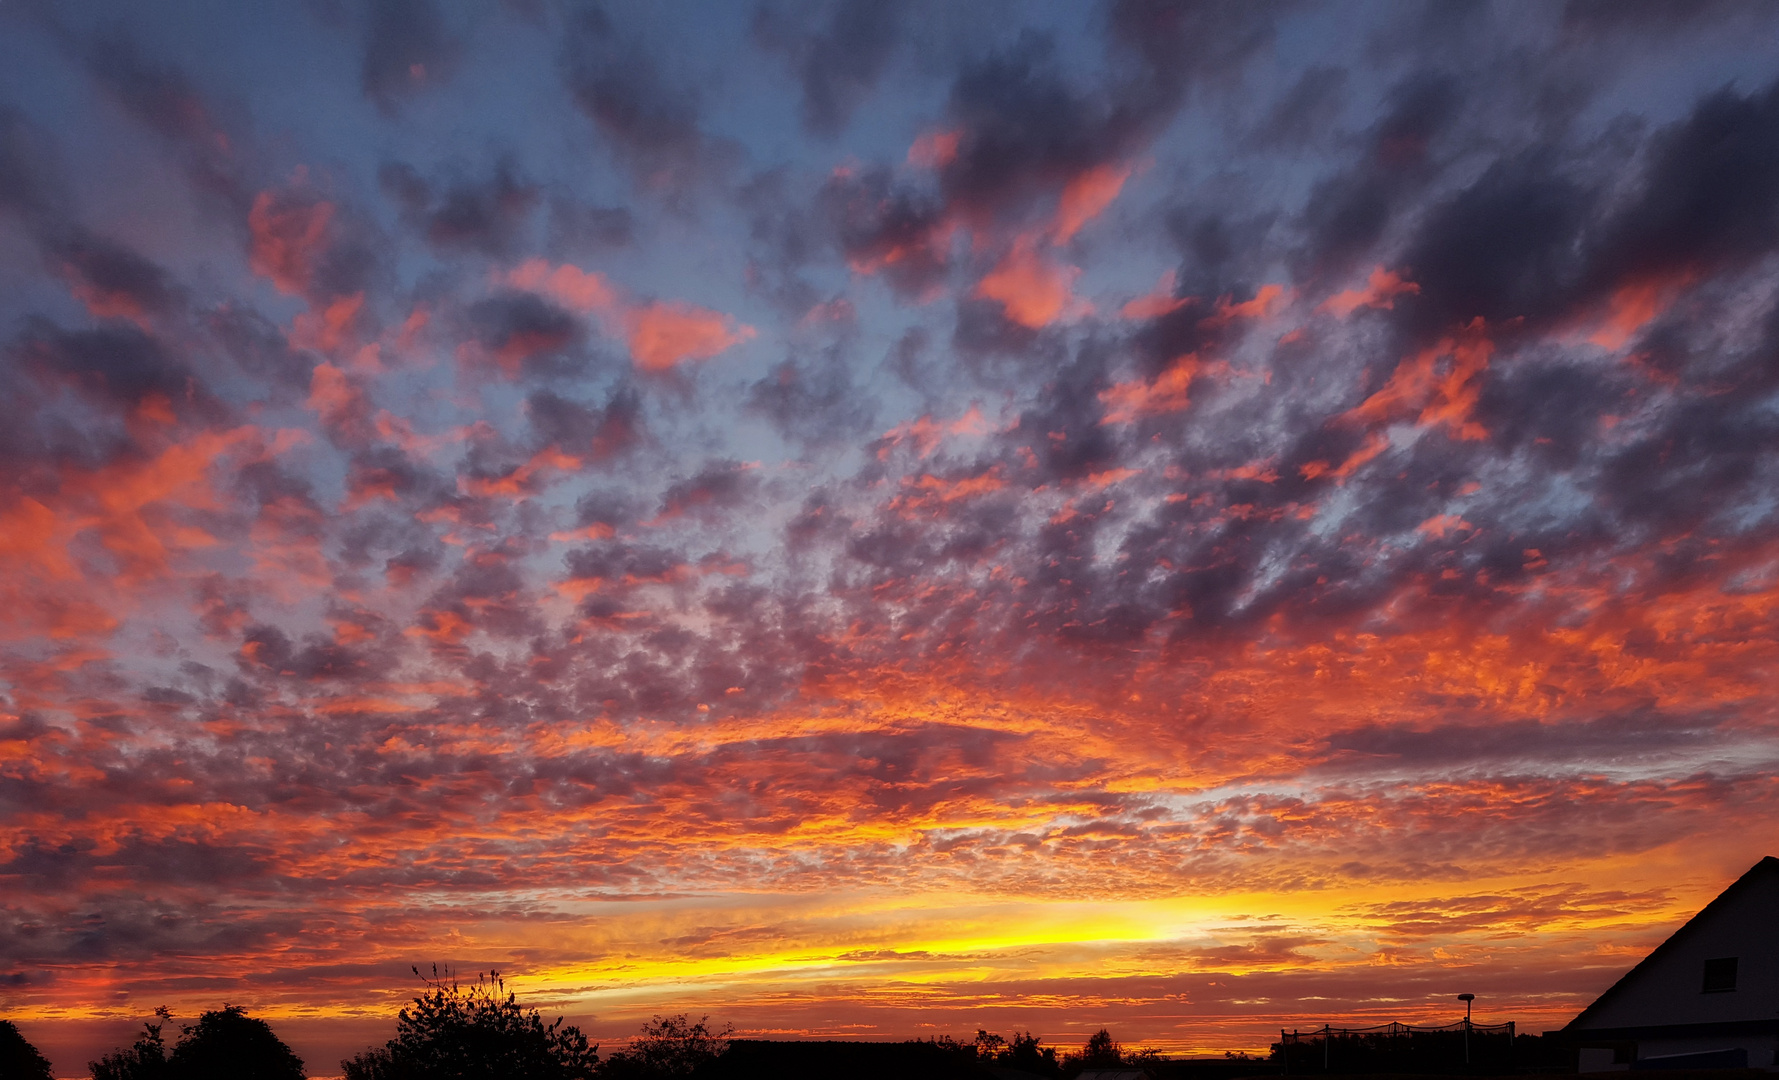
(883, 519)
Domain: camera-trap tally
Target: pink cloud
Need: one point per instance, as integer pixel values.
(663, 334)
(584, 291)
(289, 235)
(935, 149)
(1380, 291)
(1156, 303)
(1033, 290)
(1085, 197)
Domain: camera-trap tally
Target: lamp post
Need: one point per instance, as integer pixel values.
(1467, 999)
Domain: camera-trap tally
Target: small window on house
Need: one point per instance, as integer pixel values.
(1720, 975)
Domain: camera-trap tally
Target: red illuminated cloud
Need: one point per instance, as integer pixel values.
(1166, 393)
(569, 285)
(660, 334)
(418, 591)
(1380, 291)
(665, 334)
(1161, 301)
(1634, 305)
(289, 236)
(934, 149)
(1085, 197)
(1033, 289)
(1437, 386)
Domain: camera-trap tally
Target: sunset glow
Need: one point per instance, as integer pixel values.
(877, 521)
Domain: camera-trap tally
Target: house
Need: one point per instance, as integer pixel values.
(1708, 997)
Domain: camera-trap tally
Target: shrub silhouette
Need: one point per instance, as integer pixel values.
(1026, 1052)
(146, 1059)
(18, 1058)
(478, 1032)
(225, 1044)
(670, 1046)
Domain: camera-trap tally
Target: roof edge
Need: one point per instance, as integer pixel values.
(1768, 865)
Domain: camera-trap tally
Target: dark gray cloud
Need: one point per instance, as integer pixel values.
(839, 52)
(407, 48)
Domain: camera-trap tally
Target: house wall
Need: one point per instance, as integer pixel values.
(1760, 1048)
(1667, 990)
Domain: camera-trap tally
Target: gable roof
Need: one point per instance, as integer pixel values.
(1768, 866)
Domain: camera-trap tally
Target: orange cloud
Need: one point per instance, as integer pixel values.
(329, 328)
(661, 334)
(1439, 525)
(935, 149)
(1166, 393)
(1633, 306)
(931, 244)
(664, 334)
(30, 532)
(334, 397)
(1267, 299)
(1380, 291)
(1033, 291)
(926, 434)
(575, 289)
(522, 482)
(143, 512)
(1161, 301)
(927, 493)
(104, 303)
(287, 551)
(1375, 443)
(1085, 197)
(288, 237)
(1439, 385)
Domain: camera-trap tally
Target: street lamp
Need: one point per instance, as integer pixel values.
(1467, 999)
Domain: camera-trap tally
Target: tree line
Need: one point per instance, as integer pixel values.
(479, 1031)
(453, 1031)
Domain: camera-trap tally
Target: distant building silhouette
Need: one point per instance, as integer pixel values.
(1708, 997)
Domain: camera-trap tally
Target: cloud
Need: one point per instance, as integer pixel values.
(651, 122)
(290, 236)
(838, 64)
(660, 334)
(490, 217)
(815, 403)
(1341, 497)
(1033, 291)
(1381, 289)
(407, 48)
(663, 335)
(165, 100)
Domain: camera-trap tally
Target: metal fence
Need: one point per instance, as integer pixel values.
(1399, 1048)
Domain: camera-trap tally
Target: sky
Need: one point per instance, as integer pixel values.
(879, 520)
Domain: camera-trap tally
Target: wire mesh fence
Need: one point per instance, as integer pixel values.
(1399, 1048)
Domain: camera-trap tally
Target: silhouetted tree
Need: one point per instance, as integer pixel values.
(478, 1032)
(18, 1058)
(670, 1046)
(227, 1044)
(145, 1060)
(1026, 1051)
(1101, 1051)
